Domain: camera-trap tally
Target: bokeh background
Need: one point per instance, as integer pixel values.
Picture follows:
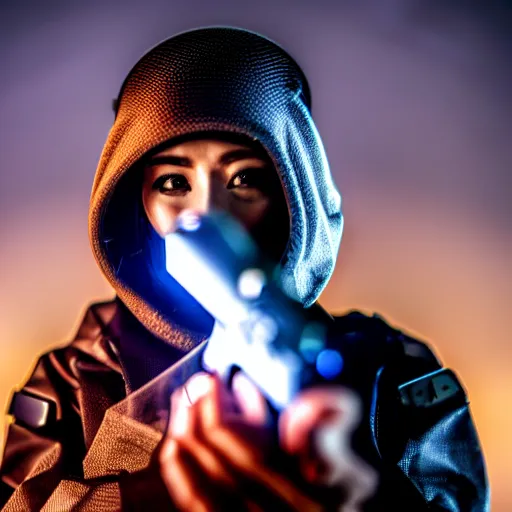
(413, 101)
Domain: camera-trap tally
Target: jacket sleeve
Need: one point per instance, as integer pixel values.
(42, 467)
(425, 430)
(41, 425)
(42, 461)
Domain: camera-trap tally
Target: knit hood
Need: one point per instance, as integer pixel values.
(216, 79)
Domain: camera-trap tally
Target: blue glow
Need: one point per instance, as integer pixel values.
(251, 283)
(309, 348)
(312, 341)
(260, 328)
(191, 269)
(277, 375)
(329, 364)
(189, 220)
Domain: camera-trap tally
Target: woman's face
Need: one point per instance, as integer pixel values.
(210, 174)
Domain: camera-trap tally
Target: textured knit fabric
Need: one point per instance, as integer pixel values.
(227, 80)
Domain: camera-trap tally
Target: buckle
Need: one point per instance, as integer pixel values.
(31, 410)
(432, 389)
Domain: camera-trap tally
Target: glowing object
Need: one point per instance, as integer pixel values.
(251, 283)
(189, 220)
(190, 268)
(312, 341)
(276, 375)
(329, 364)
(257, 328)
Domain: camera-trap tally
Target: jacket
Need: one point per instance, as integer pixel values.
(63, 452)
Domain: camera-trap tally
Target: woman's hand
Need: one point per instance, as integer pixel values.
(218, 452)
(317, 430)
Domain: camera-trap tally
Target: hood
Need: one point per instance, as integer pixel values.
(218, 79)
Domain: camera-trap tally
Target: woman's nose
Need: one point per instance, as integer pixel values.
(214, 195)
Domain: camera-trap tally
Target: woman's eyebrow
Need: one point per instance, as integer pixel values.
(180, 161)
(183, 161)
(238, 154)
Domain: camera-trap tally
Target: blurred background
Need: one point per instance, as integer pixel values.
(413, 101)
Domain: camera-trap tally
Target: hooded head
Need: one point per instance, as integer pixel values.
(211, 81)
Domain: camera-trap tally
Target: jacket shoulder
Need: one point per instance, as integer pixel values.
(45, 411)
(54, 374)
(375, 333)
(418, 421)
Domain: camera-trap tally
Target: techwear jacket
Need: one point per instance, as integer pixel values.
(58, 458)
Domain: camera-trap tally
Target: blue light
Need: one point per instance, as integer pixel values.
(310, 347)
(251, 283)
(329, 364)
(312, 341)
(191, 268)
(189, 220)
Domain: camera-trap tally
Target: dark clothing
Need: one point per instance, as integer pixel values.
(427, 460)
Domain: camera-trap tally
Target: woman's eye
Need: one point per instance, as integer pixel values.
(250, 184)
(246, 178)
(172, 184)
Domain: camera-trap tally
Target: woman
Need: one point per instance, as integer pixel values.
(219, 118)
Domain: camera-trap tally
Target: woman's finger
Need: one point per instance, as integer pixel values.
(179, 413)
(218, 460)
(251, 403)
(209, 463)
(241, 456)
(197, 386)
(183, 398)
(185, 461)
(318, 427)
(234, 442)
(314, 408)
(358, 478)
(216, 405)
(180, 480)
